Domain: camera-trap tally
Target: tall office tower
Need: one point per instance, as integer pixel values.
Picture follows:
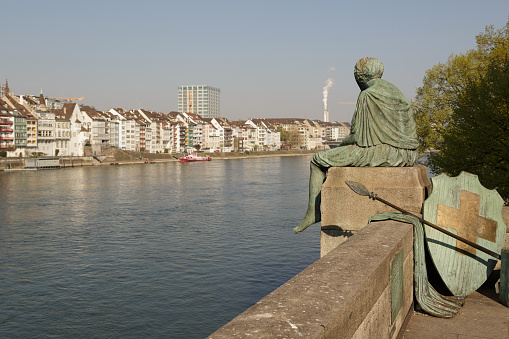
(202, 100)
(4, 90)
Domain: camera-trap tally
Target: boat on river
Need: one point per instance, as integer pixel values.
(194, 157)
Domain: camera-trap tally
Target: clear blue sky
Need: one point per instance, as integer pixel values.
(269, 58)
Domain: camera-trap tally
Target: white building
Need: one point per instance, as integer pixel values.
(70, 136)
(98, 124)
(46, 132)
(125, 129)
(266, 136)
(337, 131)
(199, 99)
(222, 128)
(159, 132)
(6, 130)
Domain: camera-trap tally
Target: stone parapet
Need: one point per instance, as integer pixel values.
(344, 212)
(361, 289)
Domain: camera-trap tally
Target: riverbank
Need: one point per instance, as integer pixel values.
(126, 157)
(121, 157)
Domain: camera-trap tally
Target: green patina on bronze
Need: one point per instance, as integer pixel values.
(464, 262)
(396, 285)
(504, 278)
(383, 134)
(461, 205)
(428, 299)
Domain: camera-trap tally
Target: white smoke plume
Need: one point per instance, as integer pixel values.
(328, 84)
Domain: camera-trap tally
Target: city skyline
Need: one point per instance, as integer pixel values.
(270, 59)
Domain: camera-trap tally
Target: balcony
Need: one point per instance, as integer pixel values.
(5, 122)
(6, 139)
(101, 136)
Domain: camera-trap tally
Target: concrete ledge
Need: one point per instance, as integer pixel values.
(345, 294)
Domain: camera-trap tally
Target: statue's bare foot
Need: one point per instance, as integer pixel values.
(316, 179)
(309, 219)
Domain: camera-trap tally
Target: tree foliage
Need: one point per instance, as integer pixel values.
(477, 135)
(443, 83)
(290, 138)
(283, 133)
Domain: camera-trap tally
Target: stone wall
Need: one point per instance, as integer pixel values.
(65, 161)
(344, 212)
(361, 289)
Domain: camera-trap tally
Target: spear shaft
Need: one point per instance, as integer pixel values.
(362, 190)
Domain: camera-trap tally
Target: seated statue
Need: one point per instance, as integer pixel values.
(383, 134)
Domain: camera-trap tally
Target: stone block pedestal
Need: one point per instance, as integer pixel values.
(344, 212)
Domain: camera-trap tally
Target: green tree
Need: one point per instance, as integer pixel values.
(443, 83)
(283, 134)
(294, 137)
(477, 136)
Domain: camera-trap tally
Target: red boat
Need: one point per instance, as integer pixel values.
(194, 157)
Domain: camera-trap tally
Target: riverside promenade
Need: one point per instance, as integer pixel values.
(481, 317)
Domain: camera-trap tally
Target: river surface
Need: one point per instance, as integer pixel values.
(164, 250)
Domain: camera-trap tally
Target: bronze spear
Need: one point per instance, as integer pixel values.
(362, 190)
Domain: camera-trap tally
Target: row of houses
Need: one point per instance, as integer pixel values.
(35, 126)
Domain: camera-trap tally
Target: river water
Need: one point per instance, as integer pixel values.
(164, 250)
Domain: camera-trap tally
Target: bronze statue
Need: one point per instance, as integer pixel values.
(383, 134)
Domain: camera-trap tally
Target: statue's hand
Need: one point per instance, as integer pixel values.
(349, 140)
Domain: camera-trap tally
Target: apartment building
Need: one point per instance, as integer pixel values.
(98, 123)
(202, 100)
(6, 130)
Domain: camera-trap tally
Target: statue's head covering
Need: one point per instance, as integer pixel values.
(367, 69)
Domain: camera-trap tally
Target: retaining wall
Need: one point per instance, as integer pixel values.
(64, 161)
(361, 289)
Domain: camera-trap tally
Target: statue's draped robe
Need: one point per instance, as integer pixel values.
(382, 134)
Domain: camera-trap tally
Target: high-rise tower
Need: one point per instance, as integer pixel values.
(199, 99)
(4, 89)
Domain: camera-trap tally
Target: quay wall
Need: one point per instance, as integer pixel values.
(361, 289)
(121, 157)
(65, 161)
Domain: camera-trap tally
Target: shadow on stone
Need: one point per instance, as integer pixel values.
(488, 288)
(332, 236)
(336, 231)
